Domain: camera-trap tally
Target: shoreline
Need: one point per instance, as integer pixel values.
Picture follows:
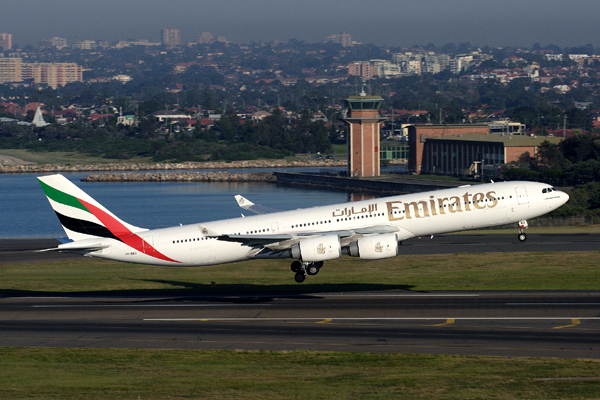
(44, 168)
(219, 176)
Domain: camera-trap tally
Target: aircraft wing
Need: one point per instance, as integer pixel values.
(255, 240)
(265, 240)
(255, 208)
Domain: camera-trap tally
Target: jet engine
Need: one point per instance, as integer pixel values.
(374, 247)
(318, 248)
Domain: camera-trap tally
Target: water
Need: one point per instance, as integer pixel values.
(26, 213)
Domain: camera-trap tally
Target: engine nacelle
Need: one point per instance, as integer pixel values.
(374, 247)
(318, 248)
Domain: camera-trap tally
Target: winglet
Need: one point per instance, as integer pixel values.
(243, 202)
(255, 208)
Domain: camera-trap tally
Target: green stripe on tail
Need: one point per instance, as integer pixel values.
(61, 197)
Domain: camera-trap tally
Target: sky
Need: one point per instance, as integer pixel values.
(397, 23)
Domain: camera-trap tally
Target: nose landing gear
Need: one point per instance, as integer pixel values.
(522, 235)
(305, 268)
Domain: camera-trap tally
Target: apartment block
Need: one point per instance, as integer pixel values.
(53, 74)
(85, 45)
(10, 70)
(56, 42)
(343, 38)
(364, 69)
(6, 41)
(171, 37)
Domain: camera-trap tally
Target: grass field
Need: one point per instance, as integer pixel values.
(461, 271)
(172, 374)
(65, 158)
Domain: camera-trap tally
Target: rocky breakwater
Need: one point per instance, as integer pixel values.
(37, 168)
(180, 177)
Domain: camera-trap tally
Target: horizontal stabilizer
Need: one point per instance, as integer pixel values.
(77, 248)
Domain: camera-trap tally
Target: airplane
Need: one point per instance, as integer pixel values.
(369, 229)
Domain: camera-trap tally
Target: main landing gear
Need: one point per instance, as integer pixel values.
(522, 235)
(305, 268)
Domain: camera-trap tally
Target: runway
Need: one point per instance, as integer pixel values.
(538, 324)
(14, 251)
(562, 324)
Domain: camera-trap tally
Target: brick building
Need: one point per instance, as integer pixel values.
(363, 138)
(451, 149)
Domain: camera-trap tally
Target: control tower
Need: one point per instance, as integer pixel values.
(363, 139)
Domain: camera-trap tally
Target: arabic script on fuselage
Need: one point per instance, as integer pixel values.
(398, 210)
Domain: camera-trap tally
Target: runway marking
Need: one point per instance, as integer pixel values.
(575, 322)
(448, 322)
(147, 305)
(401, 295)
(553, 304)
(379, 319)
(324, 321)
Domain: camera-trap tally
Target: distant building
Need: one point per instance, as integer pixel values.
(205, 37)
(10, 70)
(56, 42)
(141, 42)
(162, 116)
(85, 45)
(53, 74)
(171, 37)
(342, 38)
(364, 69)
(128, 120)
(6, 41)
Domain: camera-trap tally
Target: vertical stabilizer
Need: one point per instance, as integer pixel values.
(81, 216)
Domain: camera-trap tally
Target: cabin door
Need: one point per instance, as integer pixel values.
(522, 195)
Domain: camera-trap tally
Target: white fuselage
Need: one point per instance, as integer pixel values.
(412, 215)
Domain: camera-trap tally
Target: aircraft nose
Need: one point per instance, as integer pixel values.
(564, 197)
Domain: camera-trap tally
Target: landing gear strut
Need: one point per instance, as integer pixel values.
(522, 235)
(305, 268)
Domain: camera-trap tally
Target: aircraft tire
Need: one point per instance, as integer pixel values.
(522, 237)
(312, 269)
(299, 277)
(296, 266)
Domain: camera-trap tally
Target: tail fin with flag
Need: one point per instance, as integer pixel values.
(81, 216)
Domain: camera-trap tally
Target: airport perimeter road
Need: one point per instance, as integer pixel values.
(14, 251)
(539, 324)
